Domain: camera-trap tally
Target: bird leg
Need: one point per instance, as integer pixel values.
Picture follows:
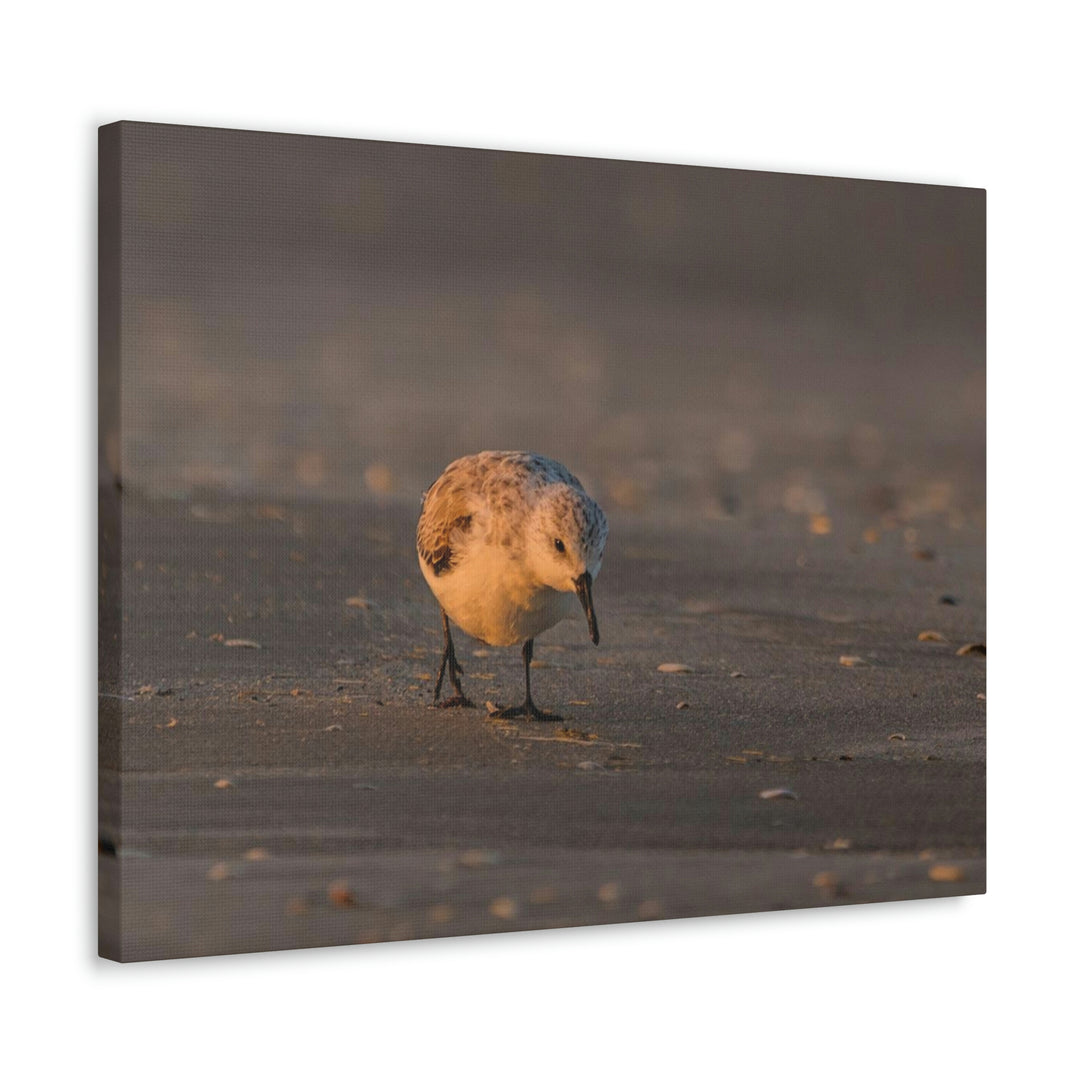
(528, 708)
(450, 665)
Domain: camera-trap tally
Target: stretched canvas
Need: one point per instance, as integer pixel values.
(710, 640)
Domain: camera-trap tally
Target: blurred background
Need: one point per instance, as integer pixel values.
(322, 317)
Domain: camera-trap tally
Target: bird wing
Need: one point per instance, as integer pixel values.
(444, 522)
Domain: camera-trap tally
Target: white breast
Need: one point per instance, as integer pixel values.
(490, 596)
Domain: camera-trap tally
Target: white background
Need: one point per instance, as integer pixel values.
(954, 93)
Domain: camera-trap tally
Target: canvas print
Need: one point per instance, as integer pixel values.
(494, 541)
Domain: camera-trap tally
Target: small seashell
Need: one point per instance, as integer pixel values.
(333, 727)
(736, 675)
(609, 892)
(674, 669)
(682, 705)
(357, 602)
(256, 854)
(945, 872)
(241, 643)
(851, 661)
(591, 766)
(218, 872)
(974, 648)
(340, 895)
(898, 736)
(777, 793)
(503, 907)
(827, 882)
(222, 783)
(931, 635)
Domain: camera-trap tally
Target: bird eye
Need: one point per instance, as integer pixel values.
(560, 546)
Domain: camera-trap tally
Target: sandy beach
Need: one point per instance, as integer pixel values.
(285, 783)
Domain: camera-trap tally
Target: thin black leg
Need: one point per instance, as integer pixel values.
(528, 708)
(450, 665)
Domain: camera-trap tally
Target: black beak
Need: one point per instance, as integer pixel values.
(583, 585)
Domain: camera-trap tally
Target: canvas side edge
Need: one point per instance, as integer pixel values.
(110, 563)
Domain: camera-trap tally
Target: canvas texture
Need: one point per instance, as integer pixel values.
(768, 394)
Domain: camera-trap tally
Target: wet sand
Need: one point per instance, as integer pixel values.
(303, 793)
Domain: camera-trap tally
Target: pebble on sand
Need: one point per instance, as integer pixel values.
(609, 892)
(222, 783)
(503, 907)
(945, 872)
(340, 895)
(827, 882)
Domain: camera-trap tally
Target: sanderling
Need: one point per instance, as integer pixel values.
(507, 540)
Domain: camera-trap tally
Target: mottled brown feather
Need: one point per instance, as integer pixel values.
(444, 520)
(480, 483)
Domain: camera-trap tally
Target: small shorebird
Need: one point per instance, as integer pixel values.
(508, 542)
